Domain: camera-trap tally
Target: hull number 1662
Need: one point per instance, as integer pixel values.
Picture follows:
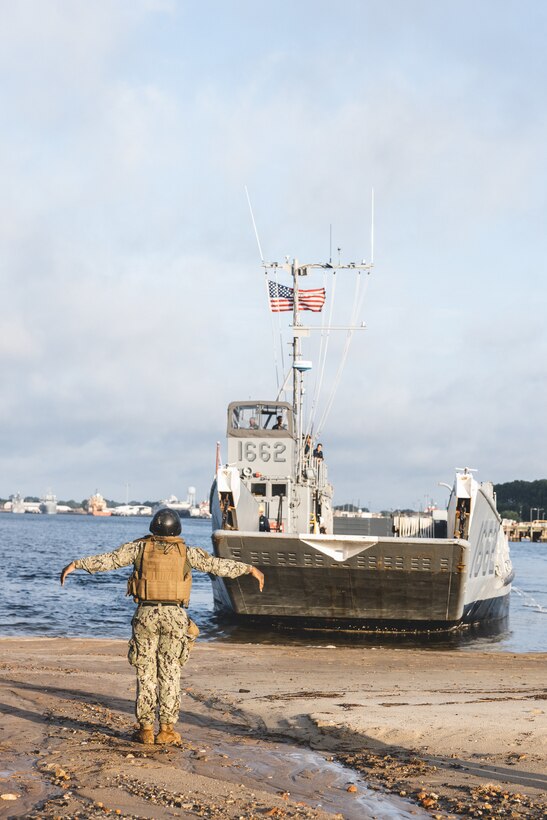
(262, 450)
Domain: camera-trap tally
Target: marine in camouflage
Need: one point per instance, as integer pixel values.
(160, 644)
(157, 650)
(197, 558)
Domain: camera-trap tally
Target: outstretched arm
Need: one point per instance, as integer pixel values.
(259, 577)
(121, 557)
(69, 568)
(225, 567)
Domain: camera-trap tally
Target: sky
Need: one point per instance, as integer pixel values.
(132, 300)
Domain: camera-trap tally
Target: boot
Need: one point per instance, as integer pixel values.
(167, 734)
(145, 734)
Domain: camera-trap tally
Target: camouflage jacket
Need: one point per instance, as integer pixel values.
(197, 558)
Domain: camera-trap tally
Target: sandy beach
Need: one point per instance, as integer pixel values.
(274, 731)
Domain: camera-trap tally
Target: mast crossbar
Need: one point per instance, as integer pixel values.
(329, 327)
(301, 269)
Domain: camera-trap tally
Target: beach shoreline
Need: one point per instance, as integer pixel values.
(447, 733)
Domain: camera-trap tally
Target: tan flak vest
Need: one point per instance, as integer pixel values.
(162, 571)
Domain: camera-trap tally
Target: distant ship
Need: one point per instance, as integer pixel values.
(96, 505)
(184, 508)
(17, 503)
(201, 510)
(132, 509)
(48, 504)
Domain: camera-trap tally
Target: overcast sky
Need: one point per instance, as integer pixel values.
(132, 300)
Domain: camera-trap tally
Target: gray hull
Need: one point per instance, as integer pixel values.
(353, 582)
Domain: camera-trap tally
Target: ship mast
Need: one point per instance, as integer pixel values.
(297, 375)
(296, 270)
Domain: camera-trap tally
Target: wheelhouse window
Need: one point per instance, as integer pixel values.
(274, 417)
(258, 489)
(279, 489)
(259, 416)
(246, 417)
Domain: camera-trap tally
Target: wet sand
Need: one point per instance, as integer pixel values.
(274, 731)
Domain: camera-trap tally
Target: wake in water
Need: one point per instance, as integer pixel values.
(528, 601)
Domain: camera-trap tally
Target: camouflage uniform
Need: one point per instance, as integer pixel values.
(159, 645)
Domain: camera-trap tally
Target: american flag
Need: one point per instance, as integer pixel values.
(282, 298)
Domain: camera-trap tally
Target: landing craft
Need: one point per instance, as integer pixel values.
(453, 574)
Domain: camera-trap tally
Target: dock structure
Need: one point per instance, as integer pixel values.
(526, 530)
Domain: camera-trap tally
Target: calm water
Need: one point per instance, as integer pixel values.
(34, 549)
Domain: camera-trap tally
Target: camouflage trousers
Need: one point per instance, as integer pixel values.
(157, 650)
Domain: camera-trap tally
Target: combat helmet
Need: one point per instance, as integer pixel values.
(166, 522)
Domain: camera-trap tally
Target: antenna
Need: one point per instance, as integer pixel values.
(254, 226)
(330, 244)
(372, 229)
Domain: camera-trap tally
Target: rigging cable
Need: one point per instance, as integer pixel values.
(341, 365)
(279, 330)
(267, 288)
(357, 306)
(357, 309)
(318, 371)
(323, 350)
(276, 364)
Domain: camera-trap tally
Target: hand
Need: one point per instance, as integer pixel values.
(259, 577)
(69, 568)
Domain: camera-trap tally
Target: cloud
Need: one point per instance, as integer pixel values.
(133, 306)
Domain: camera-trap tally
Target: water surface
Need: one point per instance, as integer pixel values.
(34, 549)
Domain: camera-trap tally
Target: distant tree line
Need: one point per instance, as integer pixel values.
(350, 508)
(522, 500)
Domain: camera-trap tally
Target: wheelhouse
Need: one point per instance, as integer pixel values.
(260, 419)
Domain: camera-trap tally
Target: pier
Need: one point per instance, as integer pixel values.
(526, 530)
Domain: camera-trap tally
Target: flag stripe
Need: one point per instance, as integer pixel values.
(282, 298)
(313, 299)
